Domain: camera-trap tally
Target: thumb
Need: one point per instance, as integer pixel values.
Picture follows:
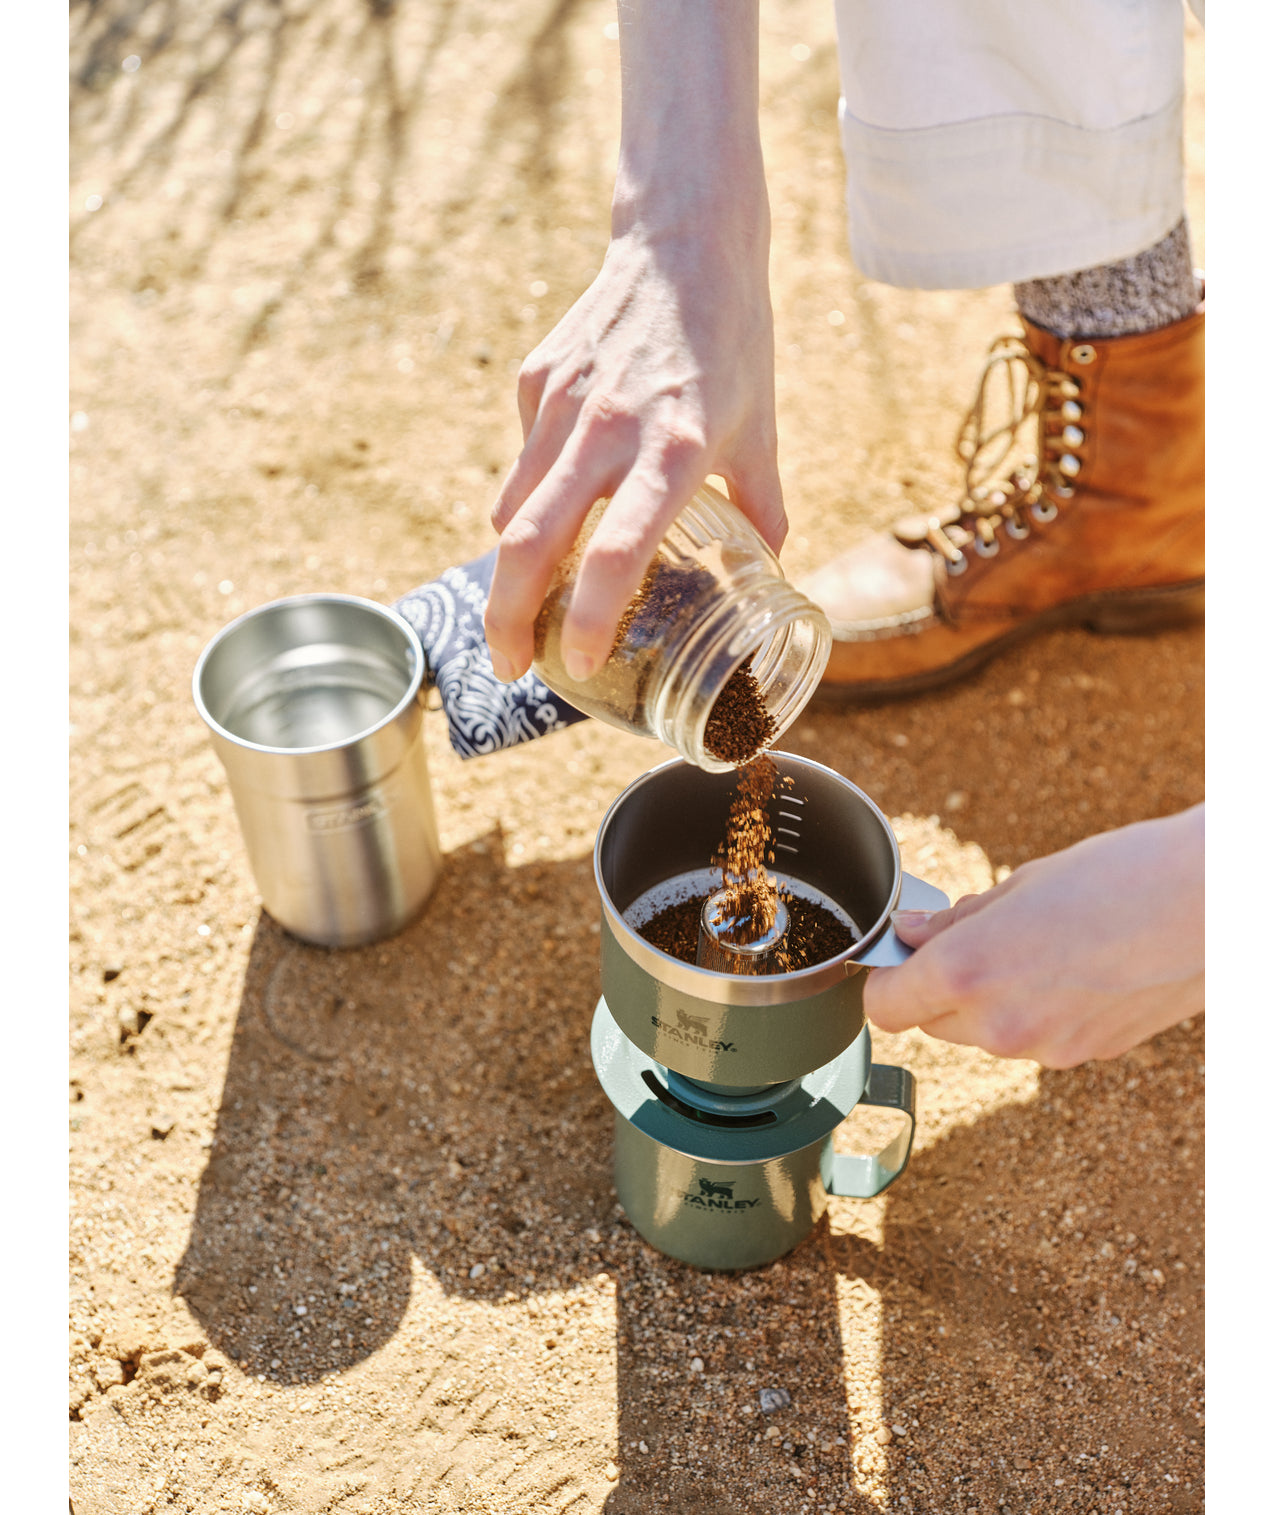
(912, 994)
(916, 927)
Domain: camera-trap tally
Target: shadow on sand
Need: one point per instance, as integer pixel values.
(431, 1098)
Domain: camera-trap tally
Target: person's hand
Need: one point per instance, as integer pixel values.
(663, 371)
(1079, 955)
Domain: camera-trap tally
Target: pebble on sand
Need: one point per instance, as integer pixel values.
(773, 1399)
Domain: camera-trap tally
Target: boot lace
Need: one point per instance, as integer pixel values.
(1016, 465)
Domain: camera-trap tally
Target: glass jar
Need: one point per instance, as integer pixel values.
(713, 616)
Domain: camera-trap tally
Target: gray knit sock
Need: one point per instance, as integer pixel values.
(1142, 293)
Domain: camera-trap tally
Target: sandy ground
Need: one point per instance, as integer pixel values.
(324, 237)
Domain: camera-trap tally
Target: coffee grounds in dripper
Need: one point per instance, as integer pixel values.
(815, 934)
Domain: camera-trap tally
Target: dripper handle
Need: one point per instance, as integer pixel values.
(855, 1177)
(889, 952)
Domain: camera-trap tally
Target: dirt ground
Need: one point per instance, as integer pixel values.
(310, 245)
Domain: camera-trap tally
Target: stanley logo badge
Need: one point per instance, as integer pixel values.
(691, 1031)
(337, 817)
(717, 1194)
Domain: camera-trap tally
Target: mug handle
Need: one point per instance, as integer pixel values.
(855, 1177)
(889, 952)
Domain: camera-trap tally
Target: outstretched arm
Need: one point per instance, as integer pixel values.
(1079, 955)
(663, 371)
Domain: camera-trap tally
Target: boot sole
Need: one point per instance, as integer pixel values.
(1130, 612)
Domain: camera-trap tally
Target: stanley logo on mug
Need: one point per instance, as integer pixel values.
(717, 1194)
(691, 1033)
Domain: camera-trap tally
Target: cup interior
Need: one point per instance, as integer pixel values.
(316, 671)
(672, 822)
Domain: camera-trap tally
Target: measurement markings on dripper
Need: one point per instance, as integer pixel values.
(790, 834)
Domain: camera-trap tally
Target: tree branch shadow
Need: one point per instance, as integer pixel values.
(230, 75)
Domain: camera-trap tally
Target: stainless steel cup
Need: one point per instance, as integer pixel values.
(316, 709)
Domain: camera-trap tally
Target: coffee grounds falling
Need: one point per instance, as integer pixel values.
(739, 728)
(748, 891)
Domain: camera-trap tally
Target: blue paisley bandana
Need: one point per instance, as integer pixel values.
(483, 715)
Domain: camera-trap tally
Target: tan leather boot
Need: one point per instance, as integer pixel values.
(1102, 526)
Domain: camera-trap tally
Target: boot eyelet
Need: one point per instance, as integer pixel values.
(986, 549)
(1083, 354)
(1071, 410)
(1063, 491)
(1069, 465)
(1073, 436)
(1020, 531)
(1069, 389)
(957, 568)
(1043, 510)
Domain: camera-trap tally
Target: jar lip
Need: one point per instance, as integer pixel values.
(687, 693)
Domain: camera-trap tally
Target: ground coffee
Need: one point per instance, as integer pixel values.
(739, 724)
(815, 934)
(749, 894)
(674, 595)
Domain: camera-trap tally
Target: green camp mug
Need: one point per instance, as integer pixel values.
(730, 1182)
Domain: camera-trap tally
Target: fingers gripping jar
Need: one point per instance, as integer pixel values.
(716, 654)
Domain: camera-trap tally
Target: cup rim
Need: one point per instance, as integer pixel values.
(729, 989)
(386, 613)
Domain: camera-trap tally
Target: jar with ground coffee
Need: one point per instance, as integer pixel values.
(716, 654)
